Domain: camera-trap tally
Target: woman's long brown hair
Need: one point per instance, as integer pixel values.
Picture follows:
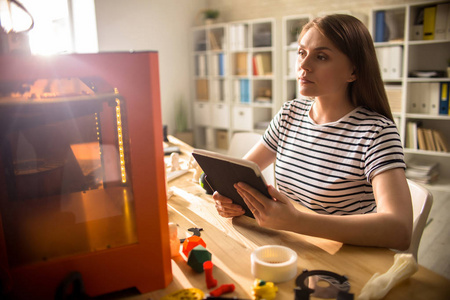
(353, 39)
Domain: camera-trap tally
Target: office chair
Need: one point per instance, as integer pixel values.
(422, 200)
(241, 143)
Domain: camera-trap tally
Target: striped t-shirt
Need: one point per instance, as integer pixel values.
(329, 167)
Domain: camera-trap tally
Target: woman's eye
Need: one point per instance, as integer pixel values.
(321, 57)
(301, 53)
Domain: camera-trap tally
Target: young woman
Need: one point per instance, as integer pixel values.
(340, 154)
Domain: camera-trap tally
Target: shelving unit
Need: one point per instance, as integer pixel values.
(415, 98)
(234, 80)
(291, 28)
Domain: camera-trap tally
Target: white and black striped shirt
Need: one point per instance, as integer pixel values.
(329, 167)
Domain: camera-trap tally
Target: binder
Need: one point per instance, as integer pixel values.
(383, 61)
(443, 100)
(429, 21)
(416, 94)
(380, 26)
(434, 98)
(442, 14)
(395, 55)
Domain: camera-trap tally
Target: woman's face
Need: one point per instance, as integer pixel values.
(322, 69)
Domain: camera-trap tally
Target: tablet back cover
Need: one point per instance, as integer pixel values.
(222, 173)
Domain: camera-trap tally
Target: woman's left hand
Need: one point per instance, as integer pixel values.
(275, 213)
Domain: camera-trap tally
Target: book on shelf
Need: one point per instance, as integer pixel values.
(221, 64)
(217, 89)
(238, 37)
(263, 64)
(213, 42)
(218, 65)
(421, 171)
(202, 89)
(240, 67)
(201, 65)
(421, 141)
(244, 87)
(394, 95)
(427, 139)
(441, 143)
(411, 135)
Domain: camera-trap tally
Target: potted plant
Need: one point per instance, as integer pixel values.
(210, 15)
(181, 124)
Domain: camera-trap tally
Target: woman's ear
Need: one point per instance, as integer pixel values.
(352, 76)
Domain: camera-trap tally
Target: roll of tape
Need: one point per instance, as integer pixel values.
(274, 263)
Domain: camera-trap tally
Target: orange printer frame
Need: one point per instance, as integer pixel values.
(146, 264)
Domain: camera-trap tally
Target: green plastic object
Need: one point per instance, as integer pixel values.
(197, 257)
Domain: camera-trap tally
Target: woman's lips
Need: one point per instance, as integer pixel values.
(303, 80)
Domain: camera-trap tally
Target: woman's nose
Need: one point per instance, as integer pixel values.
(303, 63)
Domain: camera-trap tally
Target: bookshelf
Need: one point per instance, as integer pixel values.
(234, 80)
(291, 28)
(413, 60)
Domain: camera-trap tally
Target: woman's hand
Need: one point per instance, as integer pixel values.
(225, 207)
(275, 213)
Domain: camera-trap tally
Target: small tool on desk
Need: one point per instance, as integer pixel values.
(308, 285)
(196, 232)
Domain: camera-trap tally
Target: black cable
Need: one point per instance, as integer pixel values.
(21, 6)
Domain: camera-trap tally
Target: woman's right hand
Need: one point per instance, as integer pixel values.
(225, 207)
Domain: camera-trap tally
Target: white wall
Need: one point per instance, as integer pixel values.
(232, 10)
(161, 25)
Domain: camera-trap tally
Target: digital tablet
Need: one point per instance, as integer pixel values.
(223, 171)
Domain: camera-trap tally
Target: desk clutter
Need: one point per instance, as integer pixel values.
(270, 264)
(213, 257)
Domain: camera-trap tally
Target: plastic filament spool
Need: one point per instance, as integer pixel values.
(274, 263)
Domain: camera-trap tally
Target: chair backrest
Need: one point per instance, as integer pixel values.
(241, 143)
(422, 200)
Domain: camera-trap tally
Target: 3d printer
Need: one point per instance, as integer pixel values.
(82, 184)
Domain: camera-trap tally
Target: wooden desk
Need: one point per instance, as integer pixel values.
(231, 241)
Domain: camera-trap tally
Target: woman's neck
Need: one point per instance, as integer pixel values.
(327, 111)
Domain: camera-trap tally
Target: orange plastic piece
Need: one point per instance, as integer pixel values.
(192, 242)
(223, 289)
(210, 281)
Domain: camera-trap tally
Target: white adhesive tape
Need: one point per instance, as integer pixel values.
(274, 263)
